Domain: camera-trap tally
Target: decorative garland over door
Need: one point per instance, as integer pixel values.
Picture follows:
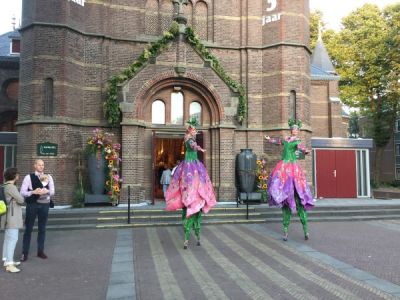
(111, 105)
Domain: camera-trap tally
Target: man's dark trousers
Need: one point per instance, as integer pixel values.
(41, 211)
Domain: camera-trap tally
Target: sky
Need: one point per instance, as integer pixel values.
(333, 10)
(8, 9)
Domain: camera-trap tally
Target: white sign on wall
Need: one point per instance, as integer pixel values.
(80, 2)
(271, 17)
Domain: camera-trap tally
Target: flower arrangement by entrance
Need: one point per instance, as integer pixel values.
(113, 181)
(262, 177)
(103, 168)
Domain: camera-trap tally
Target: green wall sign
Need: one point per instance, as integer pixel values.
(47, 149)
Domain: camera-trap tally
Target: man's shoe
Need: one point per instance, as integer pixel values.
(307, 236)
(42, 255)
(12, 269)
(24, 257)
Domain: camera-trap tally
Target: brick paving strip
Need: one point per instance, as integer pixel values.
(244, 262)
(234, 272)
(364, 277)
(169, 286)
(122, 279)
(210, 289)
(290, 287)
(297, 268)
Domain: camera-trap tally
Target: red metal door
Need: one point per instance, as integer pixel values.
(336, 173)
(325, 173)
(346, 185)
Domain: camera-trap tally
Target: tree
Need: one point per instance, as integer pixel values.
(365, 54)
(354, 129)
(315, 23)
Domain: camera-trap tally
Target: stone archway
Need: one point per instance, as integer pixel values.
(138, 132)
(191, 82)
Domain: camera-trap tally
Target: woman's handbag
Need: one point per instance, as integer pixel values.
(3, 205)
(3, 208)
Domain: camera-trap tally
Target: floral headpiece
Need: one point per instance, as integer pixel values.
(294, 124)
(192, 125)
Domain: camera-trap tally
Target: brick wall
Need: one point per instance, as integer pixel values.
(326, 115)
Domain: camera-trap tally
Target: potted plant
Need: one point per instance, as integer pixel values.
(103, 164)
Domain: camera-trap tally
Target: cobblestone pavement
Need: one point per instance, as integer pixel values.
(78, 267)
(252, 262)
(342, 260)
(372, 246)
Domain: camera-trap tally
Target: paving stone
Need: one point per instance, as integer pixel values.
(120, 291)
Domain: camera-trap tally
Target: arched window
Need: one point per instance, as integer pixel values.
(292, 105)
(177, 108)
(158, 112)
(195, 111)
(201, 20)
(10, 89)
(166, 11)
(188, 12)
(48, 100)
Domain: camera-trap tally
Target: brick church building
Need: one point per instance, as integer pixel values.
(71, 48)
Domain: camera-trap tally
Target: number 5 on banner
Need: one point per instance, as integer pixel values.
(271, 5)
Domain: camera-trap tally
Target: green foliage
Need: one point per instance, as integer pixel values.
(111, 106)
(354, 128)
(78, 199)
(375, 184)
(292, 122)
(382, 127)
(395, 183)
(365, 54)
(193, 122)
(262, 174)
(216, 65)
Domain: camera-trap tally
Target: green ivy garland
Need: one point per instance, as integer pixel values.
(216, 65)
(111, 106)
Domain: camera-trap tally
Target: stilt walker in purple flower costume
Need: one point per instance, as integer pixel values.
(287, 185)
(191, 189)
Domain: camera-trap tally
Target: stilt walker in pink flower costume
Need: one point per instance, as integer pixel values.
(191, 189)
(287, 185)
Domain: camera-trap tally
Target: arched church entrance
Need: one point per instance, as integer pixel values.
(153, 124)
(168, 110)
